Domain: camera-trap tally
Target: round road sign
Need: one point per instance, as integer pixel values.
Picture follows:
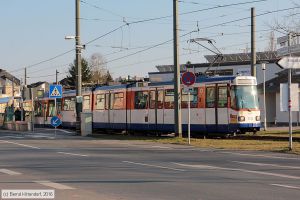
(188, 78)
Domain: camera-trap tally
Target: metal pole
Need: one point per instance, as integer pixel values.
(189, 117)
(290, 99)
(25, 77)
(55, 112)
(56, 77)
(253, 48)
(13, 98)
(32, 109)
(78, 67)
(177, 90)
(265, 109)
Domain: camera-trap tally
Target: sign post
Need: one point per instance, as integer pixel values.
(188, 79)
(55, 122)
(55, 91)
(289, 62)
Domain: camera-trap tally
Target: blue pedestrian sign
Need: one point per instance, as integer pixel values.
(55, 91)
(55, 121)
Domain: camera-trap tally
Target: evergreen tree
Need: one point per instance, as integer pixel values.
(85, 70)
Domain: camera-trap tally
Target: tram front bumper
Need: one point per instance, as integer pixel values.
(249, 127)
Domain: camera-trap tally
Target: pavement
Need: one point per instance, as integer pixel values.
(88, 168)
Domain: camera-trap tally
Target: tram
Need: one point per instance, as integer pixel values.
(219, 104)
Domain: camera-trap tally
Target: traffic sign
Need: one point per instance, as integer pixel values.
(55, 121)
(289, 62)
(188, 78)
(55, 91)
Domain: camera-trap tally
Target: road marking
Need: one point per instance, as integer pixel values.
(24, 145)
(199, 166)
(241, 170)
(162, 147)
(157, 166)
(256, 155)
(55, 185)
(286, 186)
(65, 131)
(73, 154)
(12, 137)
(264, 164)
(9, 172)
(62, 130)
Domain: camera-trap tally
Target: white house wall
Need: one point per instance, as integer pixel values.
(283, 117)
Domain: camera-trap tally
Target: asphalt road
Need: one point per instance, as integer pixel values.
(87, 168)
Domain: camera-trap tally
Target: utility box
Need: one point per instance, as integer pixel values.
(86, 123)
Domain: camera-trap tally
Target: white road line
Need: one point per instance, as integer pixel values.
(199, 166)
(286, 186)
(241, 170)
(12, 137)
(55, 185)
(62, 130)
(65, 131)
(162, 147)
(157, 166)
(73, 154)
(9, 172)
(265, 164)
(19, 144)
(257, 155)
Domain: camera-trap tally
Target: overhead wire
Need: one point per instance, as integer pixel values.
(151, 19)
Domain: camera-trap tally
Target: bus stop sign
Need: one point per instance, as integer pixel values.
(188, 78)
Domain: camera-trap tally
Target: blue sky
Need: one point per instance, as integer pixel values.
(33, 31)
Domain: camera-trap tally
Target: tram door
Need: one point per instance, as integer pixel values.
(222, 107)
(156, 111)
(107, 109)
(210, 108)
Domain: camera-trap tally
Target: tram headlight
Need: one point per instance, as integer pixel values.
(241, 118)
(257, 118)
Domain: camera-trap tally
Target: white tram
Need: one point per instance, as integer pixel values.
(222, 104)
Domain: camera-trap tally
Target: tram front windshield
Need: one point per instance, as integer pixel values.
(246, 96)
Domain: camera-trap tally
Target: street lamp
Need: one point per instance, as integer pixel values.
(78, 48)
(263, 67)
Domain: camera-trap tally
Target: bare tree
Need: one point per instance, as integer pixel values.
(100, 74)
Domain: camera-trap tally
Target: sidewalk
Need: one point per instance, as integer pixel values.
(280, 128)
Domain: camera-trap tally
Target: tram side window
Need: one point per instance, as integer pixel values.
(169, 99)
(107, 101)
(58, 104)
(100, 102)
(140, 100)
(160, 99)
(210, 97)
(118, 100)
(51, 109)
(86, 103)
(222, 97)
(69, 103)
(193, 99)
(38, 109)
(232, 99)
